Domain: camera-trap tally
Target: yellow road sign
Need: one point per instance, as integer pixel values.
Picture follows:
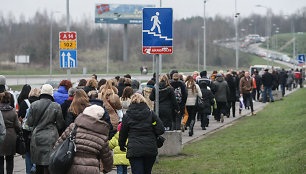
(68, 45)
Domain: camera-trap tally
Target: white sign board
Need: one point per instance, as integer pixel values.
(22, 59)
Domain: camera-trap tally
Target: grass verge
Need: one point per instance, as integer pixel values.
(273, 141)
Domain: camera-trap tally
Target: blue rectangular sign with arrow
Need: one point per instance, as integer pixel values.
(68, 58)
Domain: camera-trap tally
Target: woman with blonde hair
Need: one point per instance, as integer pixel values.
(126, 98)
(167, 102)
(111, 102)
(91, 85)
(194, 91)
(140, 126)
(79, 103)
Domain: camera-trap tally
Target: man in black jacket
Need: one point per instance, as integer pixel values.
(179, 87)
(267, 82)
(205, 79)
(282, 80)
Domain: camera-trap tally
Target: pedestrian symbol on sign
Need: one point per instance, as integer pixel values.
(156, 22)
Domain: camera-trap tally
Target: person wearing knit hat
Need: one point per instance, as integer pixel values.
(94, 111)
(47, 89)
(2, 89)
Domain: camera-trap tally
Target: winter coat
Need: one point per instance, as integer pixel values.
(70, 117)
(222, 90)
(246, 85)
(283, 78)
(208, 99)
(8, 147)
(65, 106)
(91, 144)
(119, 156)
(120, 88)
(208, 82)
(192, 97)
(46, 128)
(267, 79)
(275, 82)
(258, 81)
(89, 88)
(290, 77)
(232, 89)
(140, 125)
(60, 95)
(125, 104)
(167, 103)
(146, 93)
(175, 84)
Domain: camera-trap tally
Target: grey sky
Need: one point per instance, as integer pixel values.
(182, 8)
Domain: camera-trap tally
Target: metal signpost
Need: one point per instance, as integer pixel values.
(157, 38)
(68, 49)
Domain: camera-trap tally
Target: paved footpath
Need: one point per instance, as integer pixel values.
(19, 167)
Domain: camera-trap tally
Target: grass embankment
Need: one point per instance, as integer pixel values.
(277, 41)
(273, 141)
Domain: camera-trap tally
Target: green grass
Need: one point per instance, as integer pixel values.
(282, 39)
(273, 141)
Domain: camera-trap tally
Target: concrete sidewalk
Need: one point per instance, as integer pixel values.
(19, 167)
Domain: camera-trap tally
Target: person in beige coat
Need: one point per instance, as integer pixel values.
(91, 142)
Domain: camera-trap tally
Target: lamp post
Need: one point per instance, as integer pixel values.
(236, 34)
(267, 29)
(68, 29)
(204, 39)
(51, 31)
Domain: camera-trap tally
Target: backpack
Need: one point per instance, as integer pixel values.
(2, 129)
(178, 94)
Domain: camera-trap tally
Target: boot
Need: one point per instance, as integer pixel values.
(207, 122)
(191, 127)
(222, 118)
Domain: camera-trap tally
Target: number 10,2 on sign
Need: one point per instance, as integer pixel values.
(68, 45)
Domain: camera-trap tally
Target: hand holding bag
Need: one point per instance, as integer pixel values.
(62, 157)
(20, 144)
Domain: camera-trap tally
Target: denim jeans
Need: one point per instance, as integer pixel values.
(283, 89)
(121, 169)
(269, 90)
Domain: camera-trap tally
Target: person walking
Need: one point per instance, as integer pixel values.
(167, 102)
(290, 79)
(221, 96)
(194, 91)
(209, 83)
(140, 126)
(62, 93)
(65, 106)
(120, 160)
(232, 95)
(79, 103)
(3, 89)
(208, 100)
(33, 96)
(91, 142)
(181, 94)
(147, 92)
(258, 86)
(246, 86)
(46, 119)
(24, 94)
(267, 82)
(8, 147)
(126, 99)
(282, 81)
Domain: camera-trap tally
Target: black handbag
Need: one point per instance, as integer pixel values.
(20, 144)
(62, 157)
(160, 141)
(200, 105)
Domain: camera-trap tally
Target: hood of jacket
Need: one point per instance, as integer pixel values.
(91, 123)
(176, 84)
(138, 111)
(33, 99)
(220, 79)
(5, 107)
(62, 90)
(163, 86)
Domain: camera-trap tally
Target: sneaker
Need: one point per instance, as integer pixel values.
(203, 128)
(253, 113)
(222, 118)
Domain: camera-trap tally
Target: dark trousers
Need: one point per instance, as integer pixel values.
(231, 105)
(256, 91)
(283, 89)
(176, 121)
(142, 165)
(9, 164)
(42, 169)
(221, 107)
(204, 119)
(247, 99)
(192, 110)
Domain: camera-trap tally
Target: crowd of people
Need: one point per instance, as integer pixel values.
(115, 114)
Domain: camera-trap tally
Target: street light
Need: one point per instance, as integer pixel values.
(204, 38)
(236, 34)
(51, 29)
(267, 29)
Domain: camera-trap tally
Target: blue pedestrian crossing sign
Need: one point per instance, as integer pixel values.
(157, 30)
(301, 58)
(68, 58)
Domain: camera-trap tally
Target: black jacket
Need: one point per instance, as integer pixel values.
(258, 81)
(182, 85)
(167, 103)
(283, 78)
(65, 106)
(267, 79)
(208, 82)
(120, 88)
(140, 126)
(88, 88)
(207, 98)
(232, 88)
(23, 106)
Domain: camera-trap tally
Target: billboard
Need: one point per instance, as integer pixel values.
(22, 59)
(119, 13)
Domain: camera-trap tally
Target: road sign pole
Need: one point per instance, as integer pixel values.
(157, 85)
(107, 57)
(204, 38)
(51, 46)
(68, 29)
(153, 65)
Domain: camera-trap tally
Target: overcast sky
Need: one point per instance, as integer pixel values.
(182, 8)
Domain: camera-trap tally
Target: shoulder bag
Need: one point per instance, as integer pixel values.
(62, 157)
